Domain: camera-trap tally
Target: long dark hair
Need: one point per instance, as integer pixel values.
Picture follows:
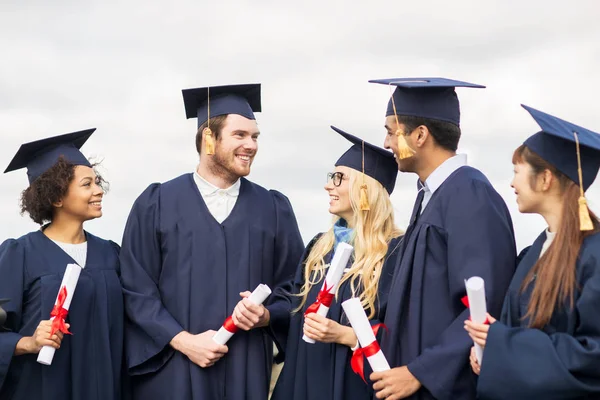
(555, 281)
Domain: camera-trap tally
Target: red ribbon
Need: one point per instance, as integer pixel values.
(229, 325)
(324, 297)
(357, 361)
(59, 314)
(465, 301)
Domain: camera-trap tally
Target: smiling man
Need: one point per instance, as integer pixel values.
(193, 248)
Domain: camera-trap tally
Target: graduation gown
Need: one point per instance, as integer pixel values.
(559, 361)
(182, 270)
(322, 371)
(464, 231)
(88, 364)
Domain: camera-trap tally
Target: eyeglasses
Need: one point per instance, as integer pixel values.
(336, 177)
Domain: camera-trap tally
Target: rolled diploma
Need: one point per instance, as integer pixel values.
(342, 254)
(69, 281)
(362, 328)
(476, 294)
(258, 296)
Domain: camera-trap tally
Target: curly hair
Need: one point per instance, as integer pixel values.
(49, 188)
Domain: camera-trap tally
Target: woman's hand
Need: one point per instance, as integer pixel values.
(41, 337)
(479, 332)
(325, 330)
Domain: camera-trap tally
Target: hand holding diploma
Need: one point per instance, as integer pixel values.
(60, 311)
(342, 254)
(478, 325)
(249, 313)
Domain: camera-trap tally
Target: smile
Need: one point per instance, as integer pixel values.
(243, 158)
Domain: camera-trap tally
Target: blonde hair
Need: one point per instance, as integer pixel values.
(373, 230)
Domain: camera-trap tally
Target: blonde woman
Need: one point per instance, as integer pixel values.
(363, 178)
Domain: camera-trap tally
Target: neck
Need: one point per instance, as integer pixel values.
(432, 163)
(65, 230)
(215, 174)
(552, 213)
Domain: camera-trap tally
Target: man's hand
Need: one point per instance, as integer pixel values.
(394, 384)
(248, 315)
(201, 349)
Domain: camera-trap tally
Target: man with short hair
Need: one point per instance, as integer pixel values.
(460, 227)
(192, 246)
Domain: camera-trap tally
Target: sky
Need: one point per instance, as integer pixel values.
(120, 67)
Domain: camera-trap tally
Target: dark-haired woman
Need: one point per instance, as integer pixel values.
(546, 343)
(64, 192)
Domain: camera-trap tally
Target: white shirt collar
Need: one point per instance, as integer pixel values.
(208, 189)
(441, 173)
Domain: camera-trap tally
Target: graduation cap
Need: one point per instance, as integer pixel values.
(432, 98)
(41, 155)
(573, 150)
(207, 102)
(371, 160)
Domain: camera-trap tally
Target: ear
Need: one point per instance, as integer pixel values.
(546, 180)
(58, 204)
(421, 135)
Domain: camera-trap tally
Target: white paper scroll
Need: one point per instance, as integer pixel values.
(476, 295)
(342, 254)
(362, 328)
(69, 282)
(258, 296)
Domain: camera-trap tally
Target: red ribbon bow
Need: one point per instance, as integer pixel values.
(59, 314)
(465, 301)
(324, 297)
(229, 325)
(357, 361)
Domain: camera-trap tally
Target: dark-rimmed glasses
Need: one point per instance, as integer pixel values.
(335, 177)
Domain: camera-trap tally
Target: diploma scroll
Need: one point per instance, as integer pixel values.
(366, 337)
(258, 296)
(476, 295)
(61, 308)
(325, 297)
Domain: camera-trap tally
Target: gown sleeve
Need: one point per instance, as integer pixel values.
(149, 326)
(480, 242)
(524, 363)
(12, 270)
(288, 253)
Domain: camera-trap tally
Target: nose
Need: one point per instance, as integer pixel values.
(329, 185)
(251, 144)
(386, 142)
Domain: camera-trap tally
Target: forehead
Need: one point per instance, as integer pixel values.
(343, 169)
(83, 171)
(236, 122)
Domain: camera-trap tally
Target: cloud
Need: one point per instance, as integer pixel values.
(120, 67)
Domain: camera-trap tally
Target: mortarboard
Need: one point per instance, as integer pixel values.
(431, 98)
(41, 155)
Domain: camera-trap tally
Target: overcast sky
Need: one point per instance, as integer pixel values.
(120, 67)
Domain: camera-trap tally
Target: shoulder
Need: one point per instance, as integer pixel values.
(107, 245)
(468, 185)
(590, 250)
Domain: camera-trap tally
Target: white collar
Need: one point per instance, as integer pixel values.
(208, 189)
(441, 173)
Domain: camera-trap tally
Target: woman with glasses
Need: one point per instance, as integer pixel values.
(546, 343)
(64, 192)
(359, 200)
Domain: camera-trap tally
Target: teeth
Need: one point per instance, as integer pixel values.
(245, 158)
(335, 197)
(96, 203)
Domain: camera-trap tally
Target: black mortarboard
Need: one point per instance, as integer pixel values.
(40, 155)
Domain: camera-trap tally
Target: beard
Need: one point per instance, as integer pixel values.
(223, 165)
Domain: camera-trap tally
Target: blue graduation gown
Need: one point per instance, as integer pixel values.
(322, 371)
(464, 231)
(182, 270)
(88, 364)
(560, 361)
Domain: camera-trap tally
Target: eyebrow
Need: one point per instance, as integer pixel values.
(388, 127)
(246, 132)
(91, 178)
